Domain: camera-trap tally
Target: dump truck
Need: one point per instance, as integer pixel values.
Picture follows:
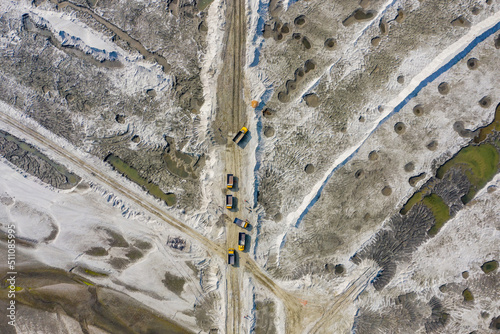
(240, 222)
(231, 256)
(239, 136)
(241, 241)
(230, 181)
(229, 201)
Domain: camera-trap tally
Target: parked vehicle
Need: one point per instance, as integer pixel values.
(229, 201)
(241, 241)
(230, 181)
(231, 256)
(239, 136)
(240, 222)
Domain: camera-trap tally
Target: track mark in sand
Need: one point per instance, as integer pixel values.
(348, 296)
(135, 44)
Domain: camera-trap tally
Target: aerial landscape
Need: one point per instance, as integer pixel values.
(260, 166)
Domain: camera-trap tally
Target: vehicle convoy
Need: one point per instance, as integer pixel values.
(229, 201)
(230, 181)
(241, 223)
(231, 256)
(239, 136)
(241, 241)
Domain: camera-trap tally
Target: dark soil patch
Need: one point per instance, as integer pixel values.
(268, 131)
(97, 251)
(143, 245)
(376, 41)
(339, 269)
(134, 254)
(468, 297)
(373, 156)
(443, 88)
(116, 239)
(300, 20)
(203, 27)
(472, 63)
(415, 179)
(285, 29)
(120, 119)
(432, 146)
(362, 15)
(399, 128)
(465, 274)
(119, 263)
(489, 266)
(330, 43)
(174, 283)
(418, 110)
(384, 27)
(299, 74)
(306, 43)
(296, 36)
(409, 167)
(401, 79)
(497, 42)
(268, 113)
(495, 323)
(461, 22)
(291, 85)
(386, 191)
(312, 100)
(309, 65)
(283, 97)
(309, 169)
(401, 15)
(485, 102)
(151, 92)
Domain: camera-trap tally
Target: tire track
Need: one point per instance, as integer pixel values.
(348, 296)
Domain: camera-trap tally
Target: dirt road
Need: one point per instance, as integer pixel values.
(230, 101)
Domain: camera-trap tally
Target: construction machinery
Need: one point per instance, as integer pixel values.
(231, 256)
(241, 241)
(239, 136)
(240, 222)
(229, 201)
(230, 181)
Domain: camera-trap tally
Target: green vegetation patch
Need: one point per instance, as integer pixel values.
(202, 4)
(174, 283)
(440, 210)
(95, 274)
(468, 297)
(416, 198)
(489, 266)
(478, 162)
(493, 126)
(133, 175)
